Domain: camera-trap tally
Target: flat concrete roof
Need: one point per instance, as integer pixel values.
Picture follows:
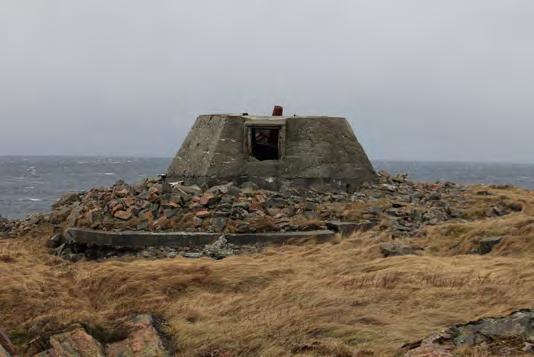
(264, 117)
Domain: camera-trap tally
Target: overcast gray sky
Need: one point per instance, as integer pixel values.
(419, 80)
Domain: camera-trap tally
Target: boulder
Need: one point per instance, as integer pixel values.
(203, 214)
(124, 215)
(485, 245)
(143, 341)
(219, 249)
(517, 329)
(75, 343)
(208, 199)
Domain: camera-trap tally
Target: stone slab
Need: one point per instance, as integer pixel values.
(141, 239)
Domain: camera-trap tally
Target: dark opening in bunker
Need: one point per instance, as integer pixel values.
(264, 143)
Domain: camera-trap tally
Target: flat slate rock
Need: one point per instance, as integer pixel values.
(142, 239)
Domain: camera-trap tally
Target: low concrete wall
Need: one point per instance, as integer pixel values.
(137, 239)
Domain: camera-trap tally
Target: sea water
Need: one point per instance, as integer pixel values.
(33, 184)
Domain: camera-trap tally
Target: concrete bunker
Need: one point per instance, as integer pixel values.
(274, 152)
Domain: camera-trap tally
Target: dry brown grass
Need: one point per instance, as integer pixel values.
(339, 299)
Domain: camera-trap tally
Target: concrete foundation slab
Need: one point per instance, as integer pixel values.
(140, 240)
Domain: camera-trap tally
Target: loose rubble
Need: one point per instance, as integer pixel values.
(503, 336)
(394, 205)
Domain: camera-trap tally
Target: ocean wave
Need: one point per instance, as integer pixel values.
(31, 199)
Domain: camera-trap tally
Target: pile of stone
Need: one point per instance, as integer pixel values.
(502, 336)
(149, 207)
(392, 204)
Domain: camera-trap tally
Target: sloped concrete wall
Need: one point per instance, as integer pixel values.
(212, 149)
(323, 149)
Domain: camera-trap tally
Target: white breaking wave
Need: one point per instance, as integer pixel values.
(31, 199)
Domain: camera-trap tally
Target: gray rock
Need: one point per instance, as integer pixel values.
(434, 196)
(76, 343)
(192, 255)
(66, 199)
(74, 214)
(170, 212)
(234, 191)
(144, 340)
(485, 245)
(219, 249)
(249, 186)
(218, 223)
(517, 329)
(172, 253)
(515, 206)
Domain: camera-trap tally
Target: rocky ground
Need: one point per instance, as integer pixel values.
(445, 253)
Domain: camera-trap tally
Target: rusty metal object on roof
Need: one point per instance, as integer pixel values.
(278, 111)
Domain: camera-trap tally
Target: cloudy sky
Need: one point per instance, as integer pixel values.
(418, 79)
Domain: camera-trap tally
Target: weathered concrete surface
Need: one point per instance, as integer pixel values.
(138, 240)
(280, 237)
(317, 152)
